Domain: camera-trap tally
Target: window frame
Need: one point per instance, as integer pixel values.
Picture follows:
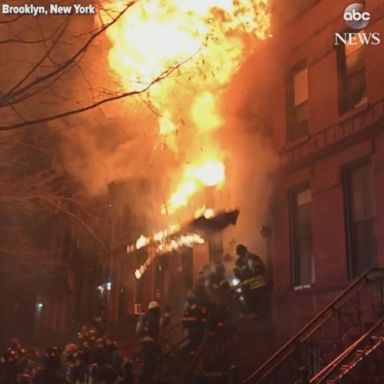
(296, 279)
(348, 214)
(295, 129)
(343, 76)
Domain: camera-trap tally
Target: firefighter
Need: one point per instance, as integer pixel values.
(148, 332)
(250, 270)
(219, 285)
(220, 289)
(195, 318)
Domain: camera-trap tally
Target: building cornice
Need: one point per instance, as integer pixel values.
(364, 122)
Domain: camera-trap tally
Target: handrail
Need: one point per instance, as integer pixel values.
(169, 329)
(334, 364)
(163, 356)
(181, 341)
(282, 352)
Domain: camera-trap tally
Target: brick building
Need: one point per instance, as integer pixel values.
(328, 126)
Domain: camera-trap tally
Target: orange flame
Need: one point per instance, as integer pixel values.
(212, 39)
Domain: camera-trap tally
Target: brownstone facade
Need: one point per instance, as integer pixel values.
(328, 207)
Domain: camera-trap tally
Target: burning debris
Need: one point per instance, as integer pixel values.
(185, 236)
(188, 236)
(215, 223)
(168, 245)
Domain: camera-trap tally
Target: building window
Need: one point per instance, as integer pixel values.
(297, 102)
(360, 219)
(301, 238)
(352, 84)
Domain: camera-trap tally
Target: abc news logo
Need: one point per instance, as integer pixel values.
(357, 18)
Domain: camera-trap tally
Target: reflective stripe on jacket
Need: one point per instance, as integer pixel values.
(255, 282)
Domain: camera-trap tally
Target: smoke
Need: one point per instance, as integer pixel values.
(248, 139)
(120, 143)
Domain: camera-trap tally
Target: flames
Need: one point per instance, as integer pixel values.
(158, 238)
(168, 239)
(164, 243)
(211, 38)
(209, 173)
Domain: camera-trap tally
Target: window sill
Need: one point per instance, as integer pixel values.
(290, 144)
(302, 287)
(353, 112)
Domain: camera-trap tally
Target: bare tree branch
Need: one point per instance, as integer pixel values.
(14, 92)
(106, 100)
(33, 69)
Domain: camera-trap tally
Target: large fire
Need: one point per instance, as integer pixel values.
(211, 38)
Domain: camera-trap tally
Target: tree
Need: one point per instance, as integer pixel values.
(43, 210)
(45, 79)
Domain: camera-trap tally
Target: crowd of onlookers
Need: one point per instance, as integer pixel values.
(93, 359)
(96, 358)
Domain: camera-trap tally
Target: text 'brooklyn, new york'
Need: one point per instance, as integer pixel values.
(52, 9)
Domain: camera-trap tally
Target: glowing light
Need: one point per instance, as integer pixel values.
(159, 236)
(141, 242)
(211, 173)
(208, 213)
(137, 274)
(188, 240)
(167, 130)
(166, 245)
(39, 307)
(205, 113)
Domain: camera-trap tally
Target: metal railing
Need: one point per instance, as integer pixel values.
(328, 334)
(348, 358)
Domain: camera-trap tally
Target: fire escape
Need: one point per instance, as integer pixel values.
(343, 344)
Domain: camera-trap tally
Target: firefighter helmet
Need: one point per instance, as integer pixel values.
(241, 249)
(153, 305)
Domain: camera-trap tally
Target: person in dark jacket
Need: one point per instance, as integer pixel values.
(108, 374)
(218, 284)
(127, 373)
(149, 338)
(50, 372)
(195, 317)
(250, 270)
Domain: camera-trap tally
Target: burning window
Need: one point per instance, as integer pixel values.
(360, 215)
(301, 237)
(297, 102)
(352, 84)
